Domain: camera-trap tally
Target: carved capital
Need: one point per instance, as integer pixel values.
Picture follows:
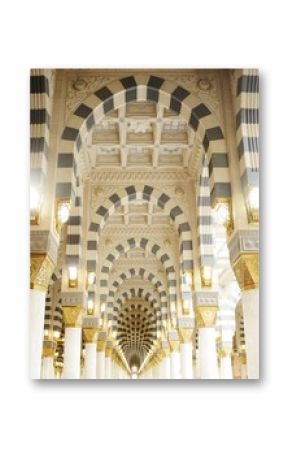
(206, 316)
(73, 316)
(186, 325)
(186, 335)
(48, 349)
(89, 335)
(246, 269)
(41, 268)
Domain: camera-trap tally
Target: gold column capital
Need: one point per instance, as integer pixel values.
(246, 268)
(89, 335)
(48, 349)
(186, 334)
(174, 345)
(206, 315)
(41, 269)
(73, 315)
(101, 345)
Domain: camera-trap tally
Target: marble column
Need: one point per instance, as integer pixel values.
(244, 252)
(41, 268)
(36, 325)
(250, 304)
(226, 369)
(90, 365)
(108, 359)
(175, 368)
(48, 359)
(101, 359)
(208, 360)
(72, 341)
(186, 333)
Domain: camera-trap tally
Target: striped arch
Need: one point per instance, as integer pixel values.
(247, 126)
(75, 229)
(204, 219)
(143, 274)
(143, 87)
(143, 243)
(41, 87)
(144, 192)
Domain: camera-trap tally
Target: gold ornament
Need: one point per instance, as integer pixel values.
(246, 268)
(41, 268)
(206, 316)
(72, 315)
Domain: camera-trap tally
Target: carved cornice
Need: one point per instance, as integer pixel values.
(113, 177)
(73, 316)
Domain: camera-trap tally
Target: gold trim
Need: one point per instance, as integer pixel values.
(89, 335)
(206, 316)
(246, 268)
(72, 316)
(186, 334)
(41, 268)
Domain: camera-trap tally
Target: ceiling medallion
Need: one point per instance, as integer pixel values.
(80, 84)
(179, 192)
(204, 84)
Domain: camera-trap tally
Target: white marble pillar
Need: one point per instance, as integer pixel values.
(36, 326)
(100, 364)
(108, 367)
(90, 367)
(166, 367)
(186, 360)
(72, 352)
(175, 370)
(250, 302)
(47, 368)
(226, 371)
(149, 373)
(207, 353)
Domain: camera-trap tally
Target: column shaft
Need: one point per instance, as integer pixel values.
(207, 353)
(90, 368)
(47, 368)
(186, 360)
(100, 365)
(250, 301)
(72, 353)
(36, 325)
(175, 365)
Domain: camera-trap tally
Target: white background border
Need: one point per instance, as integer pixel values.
(145, 34)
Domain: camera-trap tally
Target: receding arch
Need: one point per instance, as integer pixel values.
(144, 274)
(143, 243)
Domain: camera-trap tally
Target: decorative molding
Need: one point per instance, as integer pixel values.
(206, 298)
(206, 316)
(246, 268)
(41, 269)
(72, 315)
(80, 87)
(243, 241)
(114, 177)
